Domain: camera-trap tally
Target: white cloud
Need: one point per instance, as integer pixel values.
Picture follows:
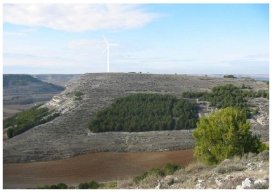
(86, 44)
(78, 17)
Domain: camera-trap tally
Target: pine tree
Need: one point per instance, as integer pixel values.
(223, 134)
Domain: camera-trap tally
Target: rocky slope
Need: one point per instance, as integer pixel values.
(248, 172)
(68, 135)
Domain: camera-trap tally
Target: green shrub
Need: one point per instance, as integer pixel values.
(10, 133)
(255, 111)
(229, 76)
(59, 186)
(171, 168)
(93, 185)
(168, 169)
(112, 185)
(153, 172)
(90, 185)
(78, 94)
(224, 134)
(101, 186)
(83, 185)
(62, 186)
(140, 178)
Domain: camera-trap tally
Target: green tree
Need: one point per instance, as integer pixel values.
(62, 186)
(223, 134)
(10, 133)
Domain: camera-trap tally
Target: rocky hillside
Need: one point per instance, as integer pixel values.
(68, 135)
(248, 172)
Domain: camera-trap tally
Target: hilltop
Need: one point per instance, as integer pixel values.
(68, 135)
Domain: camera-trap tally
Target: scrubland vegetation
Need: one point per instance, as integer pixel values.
(228, 96)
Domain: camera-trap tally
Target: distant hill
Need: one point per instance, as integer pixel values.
(258, 77)
(25, 89)
(26, 84)
(58, 79)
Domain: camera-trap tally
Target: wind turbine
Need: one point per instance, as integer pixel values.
(108, 48)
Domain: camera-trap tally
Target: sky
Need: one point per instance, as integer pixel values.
(152, 38)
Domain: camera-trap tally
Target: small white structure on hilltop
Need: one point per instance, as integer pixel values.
(108, 48)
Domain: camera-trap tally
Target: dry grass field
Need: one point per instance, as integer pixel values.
(101, 167)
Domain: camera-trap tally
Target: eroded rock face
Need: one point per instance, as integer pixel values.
(68, 134)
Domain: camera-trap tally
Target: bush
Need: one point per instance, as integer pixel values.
(90, 185)
(112, 185)
(59, 186)
(83, 185)
(195, 167)
(168, 170)
(78, 95)
(62, 186)
(229, 166)
(10, 133)
(224, 134)
(171, 168)
(153, 172)
(229, 76)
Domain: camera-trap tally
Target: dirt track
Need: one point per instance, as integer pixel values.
(101, 167)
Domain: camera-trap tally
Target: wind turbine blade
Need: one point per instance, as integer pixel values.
(105, 49)
(105, 40)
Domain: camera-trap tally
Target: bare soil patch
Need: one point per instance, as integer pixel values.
(10, 110)
(101, 167)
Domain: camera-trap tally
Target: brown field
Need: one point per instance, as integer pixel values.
(101, 167)
(10, 110)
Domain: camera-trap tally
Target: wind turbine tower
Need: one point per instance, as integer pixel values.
(108, 57)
